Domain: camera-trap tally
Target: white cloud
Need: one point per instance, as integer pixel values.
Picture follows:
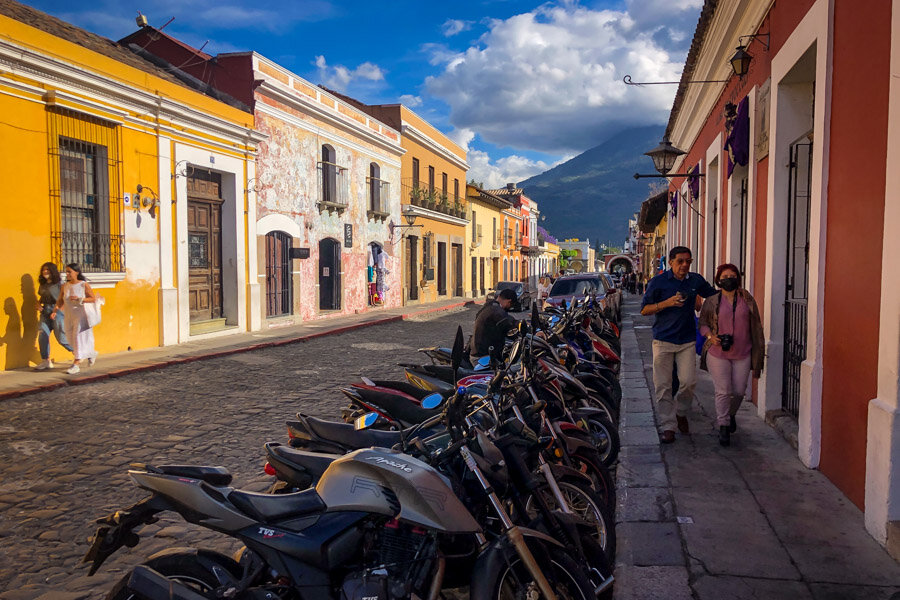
(453, 27)
(509, 169)
(551, 79)
(339, 77)
(410, 100)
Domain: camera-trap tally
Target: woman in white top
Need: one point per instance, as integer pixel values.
(74, 294)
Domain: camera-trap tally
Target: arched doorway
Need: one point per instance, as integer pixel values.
(621, 264)
(278, 274)
(329, 274)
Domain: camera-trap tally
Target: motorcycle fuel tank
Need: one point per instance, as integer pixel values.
(378, 480)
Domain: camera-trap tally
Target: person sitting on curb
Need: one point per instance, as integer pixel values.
(672, 297)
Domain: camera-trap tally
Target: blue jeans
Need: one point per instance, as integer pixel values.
(54, 325)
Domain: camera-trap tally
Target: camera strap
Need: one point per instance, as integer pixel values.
(733, 311)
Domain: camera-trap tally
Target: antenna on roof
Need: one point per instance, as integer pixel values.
(167, 22)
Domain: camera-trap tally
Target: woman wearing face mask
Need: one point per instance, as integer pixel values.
(734, 345)
(51, 319)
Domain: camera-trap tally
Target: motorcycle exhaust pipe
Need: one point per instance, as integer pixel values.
(152, 585)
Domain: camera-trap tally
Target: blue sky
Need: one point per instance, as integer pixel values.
(522, 85)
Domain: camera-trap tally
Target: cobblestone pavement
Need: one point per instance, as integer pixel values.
(64, 453)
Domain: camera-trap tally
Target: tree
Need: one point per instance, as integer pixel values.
(565, 257)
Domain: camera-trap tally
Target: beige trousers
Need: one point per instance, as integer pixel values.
(665, 356)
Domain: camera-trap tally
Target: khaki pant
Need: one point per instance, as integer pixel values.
(684, 357)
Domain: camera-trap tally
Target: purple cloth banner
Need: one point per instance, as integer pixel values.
(673, 200)
(694, 183)
(738, 141)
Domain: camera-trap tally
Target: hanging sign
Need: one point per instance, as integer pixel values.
(348, 235)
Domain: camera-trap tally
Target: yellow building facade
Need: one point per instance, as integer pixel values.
(111, 152)
(484, 235)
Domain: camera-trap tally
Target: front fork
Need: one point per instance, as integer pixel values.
(513, 533)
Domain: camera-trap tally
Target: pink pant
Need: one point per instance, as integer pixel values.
(730, 380)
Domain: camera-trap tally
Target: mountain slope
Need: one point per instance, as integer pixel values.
(594, 194)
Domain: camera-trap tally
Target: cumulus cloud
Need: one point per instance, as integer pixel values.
(509, 169)
(453, 27)
(551, 79)
(410, 100)
(339, 77)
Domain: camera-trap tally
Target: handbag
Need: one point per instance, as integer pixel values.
(92, 312)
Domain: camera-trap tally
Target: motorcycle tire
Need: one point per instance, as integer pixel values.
(511, 579)
(183, 566)
(596, 399)
(603, 483)
(586, 504)
(605, 439)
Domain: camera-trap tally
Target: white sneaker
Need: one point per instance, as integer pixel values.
(46, 364)
(74, 369)
(92, 360)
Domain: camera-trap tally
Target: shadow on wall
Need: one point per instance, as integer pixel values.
(20, 334)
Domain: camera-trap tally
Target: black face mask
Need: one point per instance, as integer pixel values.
(729, 284)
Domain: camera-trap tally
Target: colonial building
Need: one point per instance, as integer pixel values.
(584, 259)
(486, 214)
(433, 190)
(796, 185)
(129, 168)
(327, 187)
(525, 238)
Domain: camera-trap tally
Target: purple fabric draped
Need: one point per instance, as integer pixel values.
(694, 183)
(738, 141)
(673, 200)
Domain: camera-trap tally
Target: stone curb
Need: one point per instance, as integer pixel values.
(161, 364)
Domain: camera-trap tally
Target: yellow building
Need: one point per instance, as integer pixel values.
(121, 166)
(484, 233)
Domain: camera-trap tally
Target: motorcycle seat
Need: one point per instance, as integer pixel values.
(276, 507)
(217, 476)
(314, 463)
(347, 436)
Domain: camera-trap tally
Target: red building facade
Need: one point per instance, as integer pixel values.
(795, 157)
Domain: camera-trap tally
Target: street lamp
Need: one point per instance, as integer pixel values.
(664, 157)
(409, 215)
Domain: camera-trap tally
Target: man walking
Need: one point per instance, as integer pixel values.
(672, 297)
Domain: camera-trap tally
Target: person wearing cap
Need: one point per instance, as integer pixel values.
(492, 324)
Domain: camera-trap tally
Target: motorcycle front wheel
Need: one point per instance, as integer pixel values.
(513, 581)
(186, 568)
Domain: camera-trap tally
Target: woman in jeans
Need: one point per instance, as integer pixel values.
(734, 345)
(48, 295)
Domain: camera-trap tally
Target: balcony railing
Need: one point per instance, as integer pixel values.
(334, 186)
(378, 193)
(425, 196)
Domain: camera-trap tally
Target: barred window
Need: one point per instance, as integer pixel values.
(87, 226)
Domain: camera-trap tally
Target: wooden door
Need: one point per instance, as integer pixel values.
(412, 250)
(204, 259)
(278, 274)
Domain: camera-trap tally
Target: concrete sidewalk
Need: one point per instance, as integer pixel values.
(18, 382)
(699, 521)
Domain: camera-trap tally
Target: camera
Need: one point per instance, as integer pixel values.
(726, 340)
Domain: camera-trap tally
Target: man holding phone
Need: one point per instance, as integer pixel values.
(672, 297)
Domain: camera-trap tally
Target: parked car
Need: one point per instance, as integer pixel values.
(524, 296)
(572, 287)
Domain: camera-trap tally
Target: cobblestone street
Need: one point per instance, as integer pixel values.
(64, 453)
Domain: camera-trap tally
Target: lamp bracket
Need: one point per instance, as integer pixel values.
(670, 176)
(754, 36)
(628, 81)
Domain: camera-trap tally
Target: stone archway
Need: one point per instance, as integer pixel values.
(620, 262)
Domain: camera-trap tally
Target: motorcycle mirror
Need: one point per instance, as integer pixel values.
(365, 421)
(432, 401)
(457, 355)
(535, 318)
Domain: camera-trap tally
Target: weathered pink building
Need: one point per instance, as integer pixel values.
(327, 187)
